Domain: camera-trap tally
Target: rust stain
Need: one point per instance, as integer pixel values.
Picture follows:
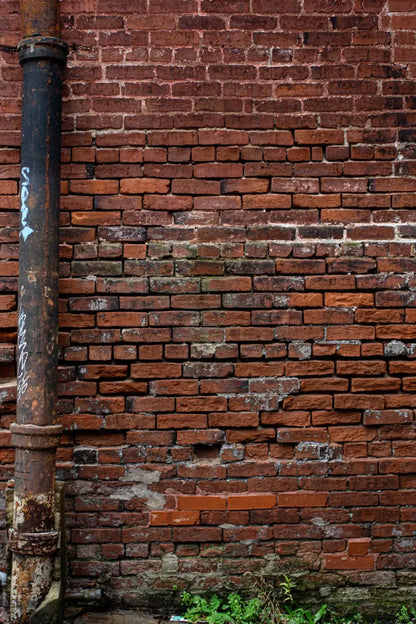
(31, 577)
(40, 17)
(34, 513)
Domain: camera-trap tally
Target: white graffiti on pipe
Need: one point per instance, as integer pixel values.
(22, 374)
(24, 209)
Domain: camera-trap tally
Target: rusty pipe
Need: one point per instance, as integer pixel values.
(35, 434)
(40, 17)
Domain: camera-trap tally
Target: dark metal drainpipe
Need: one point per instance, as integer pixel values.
(35, 434)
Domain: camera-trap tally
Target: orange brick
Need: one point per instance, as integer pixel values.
(168, 518)
(359, 546)
(251, 501)
(345, 562)
(202, 502)
(349, 300)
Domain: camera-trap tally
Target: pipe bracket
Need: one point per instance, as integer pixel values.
(36, 544)
(29, 436)
(38, 47)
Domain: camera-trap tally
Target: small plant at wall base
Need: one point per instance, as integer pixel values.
(272, 607)
(233, 610)
(404, 617)
(236, 610)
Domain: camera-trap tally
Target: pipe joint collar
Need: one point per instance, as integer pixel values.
(38, 47)
(34, 436)
(36, 544)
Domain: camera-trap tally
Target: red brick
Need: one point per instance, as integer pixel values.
(260, 369)
(208, 437)
(366, 367)
(222, 137)
(358, 401)
(218, 170)
(233, 419)
(201, 403)
(265, 201)
(94, 187)
(181, 421)
(245, 185)
(8, 187)
(299, 267)
(144, 185)
(302, 499)
(197, 534)
(349, 299)
(317, 201)
(319, 137)
(121, 319)
(174, 518)
(309, 368)
(156, 370)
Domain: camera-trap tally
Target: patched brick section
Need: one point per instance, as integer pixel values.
(237, 286)
(162, 518)
(359, 546)
(357, 556)
(202, 502)
(346, 562)
(253, 501)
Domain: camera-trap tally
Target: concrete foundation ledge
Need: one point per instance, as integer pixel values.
(50, 610)
(115, 617)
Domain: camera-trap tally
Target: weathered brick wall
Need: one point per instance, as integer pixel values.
(238, 291)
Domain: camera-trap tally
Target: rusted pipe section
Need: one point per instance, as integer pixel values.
(40, 17)
(35, 434)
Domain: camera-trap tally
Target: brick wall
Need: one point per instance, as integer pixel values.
(238, 293)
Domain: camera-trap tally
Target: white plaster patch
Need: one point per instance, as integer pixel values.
(139, 489)
(170, 564)
(319, 522)
(135, 473)
(395, 348)
(304, 350)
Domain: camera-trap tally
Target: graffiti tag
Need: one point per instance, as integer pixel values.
(22, 374)
(24, 209)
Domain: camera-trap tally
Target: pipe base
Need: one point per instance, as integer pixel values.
(50, 611)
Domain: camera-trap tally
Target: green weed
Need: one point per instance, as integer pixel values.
(272, 605)
(234, 610)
